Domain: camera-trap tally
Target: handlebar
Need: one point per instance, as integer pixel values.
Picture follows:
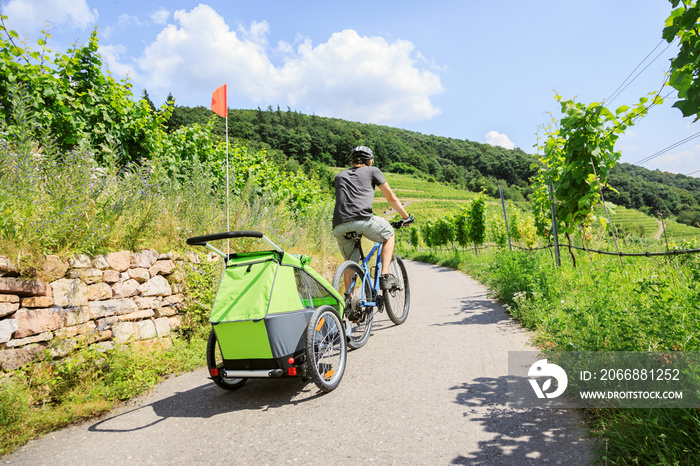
(403, 222)
(202, 240)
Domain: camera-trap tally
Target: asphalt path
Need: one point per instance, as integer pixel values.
(430, 391)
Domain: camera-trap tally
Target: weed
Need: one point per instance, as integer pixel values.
(644, 305)
(52, 394)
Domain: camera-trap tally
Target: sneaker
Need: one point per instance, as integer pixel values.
(388, 282)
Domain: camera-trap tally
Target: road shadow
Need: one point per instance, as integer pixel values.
(208, 400)
(478, 309)
(382, 322)
(438, 268)
(520, 436)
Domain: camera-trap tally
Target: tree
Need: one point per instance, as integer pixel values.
(74, 101)
(147, 98)
(685, 73)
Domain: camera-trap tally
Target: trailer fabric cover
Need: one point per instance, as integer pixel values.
(245, 288)
(285, 295)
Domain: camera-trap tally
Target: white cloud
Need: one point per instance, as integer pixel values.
(495, 138)
(683, 162)
(128, 20)
(29, 16)
(107, 32)
(366, 77)
(160, 16)
(202, 52)
(257, 32)
(349, 76)
(111, 54)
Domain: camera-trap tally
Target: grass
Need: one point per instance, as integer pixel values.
(631, 221)
(420, 208)
(63, 204)
(429, 200)
(602, 305)
(680, 232)
(49, 395)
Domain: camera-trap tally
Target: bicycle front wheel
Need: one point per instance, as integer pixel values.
(348, 280)
(326, 350)
(398, 299)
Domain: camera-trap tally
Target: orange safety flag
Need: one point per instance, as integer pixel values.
(218, 101)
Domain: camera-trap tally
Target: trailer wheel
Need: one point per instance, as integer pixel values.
(326, 348)
(215, 363)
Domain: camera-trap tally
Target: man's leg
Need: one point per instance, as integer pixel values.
(347, 248)
(387, 254)
(347, 278)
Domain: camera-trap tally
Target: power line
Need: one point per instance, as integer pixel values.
(666, 149)
(625, 84)
(653, 101)
(631, 73)
(620, 88)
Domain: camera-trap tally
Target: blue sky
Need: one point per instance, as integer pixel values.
(476, 70)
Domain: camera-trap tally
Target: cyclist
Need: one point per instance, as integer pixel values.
(354, 193)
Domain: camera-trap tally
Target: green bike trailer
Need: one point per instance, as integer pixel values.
(273, 316)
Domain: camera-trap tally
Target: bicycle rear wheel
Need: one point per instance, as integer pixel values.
(326, 350)
(398, 300)
(359, 317)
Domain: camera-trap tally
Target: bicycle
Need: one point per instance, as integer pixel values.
(359, 286)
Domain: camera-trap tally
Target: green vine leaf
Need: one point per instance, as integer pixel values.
(578, 155)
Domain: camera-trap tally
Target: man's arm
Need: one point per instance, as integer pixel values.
(393, 200)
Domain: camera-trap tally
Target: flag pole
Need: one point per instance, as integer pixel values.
(228, 221)
(219, 104)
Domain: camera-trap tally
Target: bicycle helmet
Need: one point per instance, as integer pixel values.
(361, 154)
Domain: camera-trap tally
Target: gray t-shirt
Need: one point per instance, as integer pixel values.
(354, 193)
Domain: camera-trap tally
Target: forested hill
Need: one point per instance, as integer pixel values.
(308, 139)
(654, 190)
(296, 139)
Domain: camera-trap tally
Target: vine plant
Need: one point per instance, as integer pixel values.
(579, 152)
(685, 75)
(470, 223)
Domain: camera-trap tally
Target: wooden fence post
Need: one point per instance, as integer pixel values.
(505, 217)
(555, 230)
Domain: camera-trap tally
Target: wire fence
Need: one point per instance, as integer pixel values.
(557, 245)
(675, 252)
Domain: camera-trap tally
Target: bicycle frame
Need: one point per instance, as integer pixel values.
(365, 265)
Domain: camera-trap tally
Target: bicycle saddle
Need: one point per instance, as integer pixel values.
(353, 235)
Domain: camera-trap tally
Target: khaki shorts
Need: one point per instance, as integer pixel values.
(376, 229)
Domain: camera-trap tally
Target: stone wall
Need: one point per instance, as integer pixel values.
(116, 297)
